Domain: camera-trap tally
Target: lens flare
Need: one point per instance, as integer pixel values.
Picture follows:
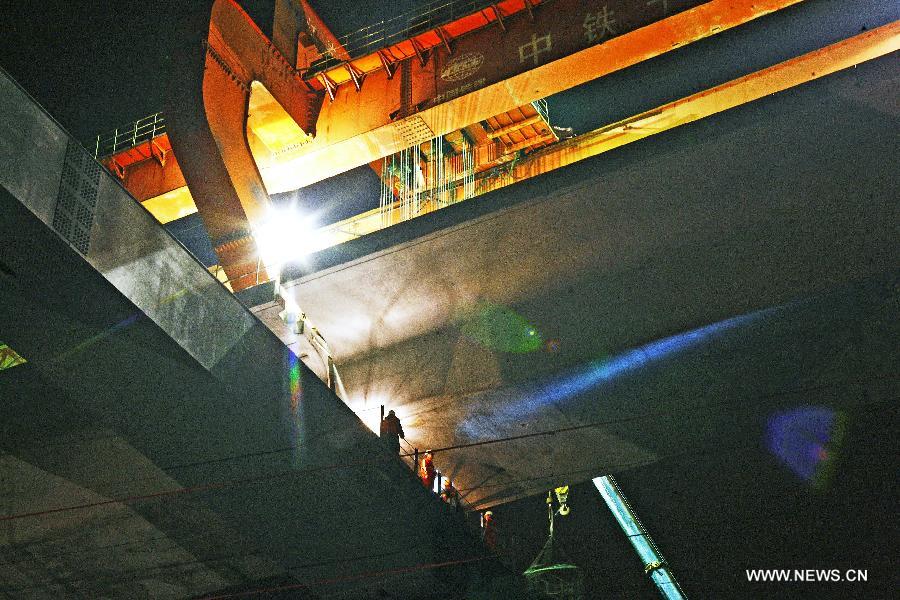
(285, 236)
(295, 388)
(9, 358)
(807, 441)
(294, 379)
(582, 379)
(500, 329)
(526, 400)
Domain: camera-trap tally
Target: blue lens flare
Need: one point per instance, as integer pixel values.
(807, 440)
(605, 370)
(527, 400)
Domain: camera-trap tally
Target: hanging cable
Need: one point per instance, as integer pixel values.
(212, 486)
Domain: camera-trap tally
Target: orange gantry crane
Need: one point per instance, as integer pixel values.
(251, 116)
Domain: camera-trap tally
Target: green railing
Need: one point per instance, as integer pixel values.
(133, 134)
(383, 34)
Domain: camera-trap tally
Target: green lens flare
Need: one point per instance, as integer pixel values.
(501, 329)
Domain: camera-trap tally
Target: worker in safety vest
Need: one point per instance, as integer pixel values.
(450, 494)
(391, 431)
(427, 471)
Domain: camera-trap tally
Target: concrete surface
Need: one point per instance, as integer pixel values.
(208, 458)
(743, 212)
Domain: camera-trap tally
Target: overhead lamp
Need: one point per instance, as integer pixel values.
(284, 236)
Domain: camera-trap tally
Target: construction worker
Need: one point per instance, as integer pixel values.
(450, 494)
(427, 471)
(391, 431)
(489, 531)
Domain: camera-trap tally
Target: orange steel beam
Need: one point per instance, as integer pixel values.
(239, 53)
(537, 52)
(491, 71)
(495, 133)
(791, 73)
(796, 71)
(737, 92)
(300, 34)
(444, 35)
(209, 135)
(148, 169)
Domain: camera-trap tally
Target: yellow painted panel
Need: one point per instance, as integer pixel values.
(171, 206)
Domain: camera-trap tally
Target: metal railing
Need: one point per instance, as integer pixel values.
(133, 134)
(408, 451)
(385, 33)
(541, 107)
(362, 42)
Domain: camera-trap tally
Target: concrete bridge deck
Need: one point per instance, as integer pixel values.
(735, 227)
(160, 441)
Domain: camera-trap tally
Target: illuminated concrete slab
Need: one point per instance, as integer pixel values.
(679, 232)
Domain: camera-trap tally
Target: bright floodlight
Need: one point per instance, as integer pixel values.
(285, 236)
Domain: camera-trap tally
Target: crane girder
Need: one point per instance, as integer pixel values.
(436, 81)
(491, 70)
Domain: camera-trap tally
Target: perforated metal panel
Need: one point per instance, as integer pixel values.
(74, 213)
(413, 131)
